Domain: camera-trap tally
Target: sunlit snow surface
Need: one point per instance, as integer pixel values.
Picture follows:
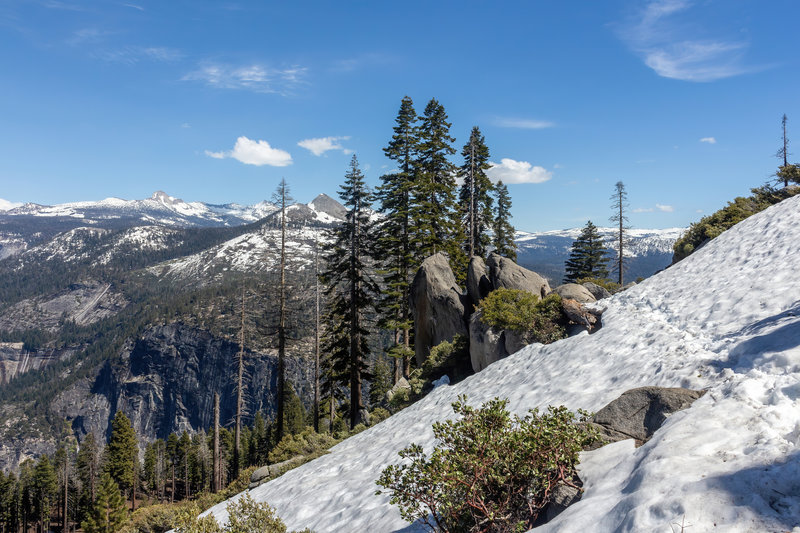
(726, 319)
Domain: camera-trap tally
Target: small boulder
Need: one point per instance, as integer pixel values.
(486, 343)
(437, 305)
(504, 272)
(578, 314)
(478, 283)
(597, 291)
(401, 385)
(573, 291)
(563, 496)
(638, 413)
(515, 341)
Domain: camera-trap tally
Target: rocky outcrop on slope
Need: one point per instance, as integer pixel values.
(573, 291)
(437, 305)
(505, 273)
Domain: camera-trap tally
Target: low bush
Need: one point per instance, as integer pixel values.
(489, 471)
(540, 320)
(245, 515)
(308, 444)
(711, 226)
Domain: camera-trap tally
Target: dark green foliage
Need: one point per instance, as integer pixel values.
(587, 259)
(351, 290)
(397, 233)
(121, 453)
(474, 197)
(45, 489)
(381, 381)
(737, 210)
(433, 202)
(540, 319)
(489, 471)
(108, 514)
(503, 230)
(307, 443)
(295, 413)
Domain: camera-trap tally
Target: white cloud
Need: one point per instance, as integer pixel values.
(510, 171)
(661, 207)
(674, 47)
(709, 140)
(523, 123)
(257, 78)
(256, 153)
(5, 205)
(186, 125)
(321, 145)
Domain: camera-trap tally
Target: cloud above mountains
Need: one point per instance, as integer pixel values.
(320, 145)
(511, 171)
(256, 153)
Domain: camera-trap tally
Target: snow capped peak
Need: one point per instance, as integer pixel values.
(5, 205)
(325, 205)
(164, 198)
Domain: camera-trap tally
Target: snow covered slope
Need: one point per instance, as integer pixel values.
(726, 319)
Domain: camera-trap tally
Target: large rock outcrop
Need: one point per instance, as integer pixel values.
(597, 291)
(486, 344)
(573, 291)
(478, 283)
(437, 305)
(505, 273)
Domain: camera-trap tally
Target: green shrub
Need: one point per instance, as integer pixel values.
(524, 313)
(377, 415)
(245, 515)
(490, 471)
(711, 226)
(308, 443)
(608, 285)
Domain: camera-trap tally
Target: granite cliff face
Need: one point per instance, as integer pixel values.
(164, 381)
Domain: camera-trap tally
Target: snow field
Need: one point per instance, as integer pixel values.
(725, 320)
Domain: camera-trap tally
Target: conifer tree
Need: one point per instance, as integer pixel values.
(45, 490)
(503, 230)
(121, 455)
(587, 257)
(397, 233)
(619, 203)
(173, 453)
(283, 198)
(108, 514)
(433, 206)
(351, 288)
(88, 467)
(786, 172)
(474, 198)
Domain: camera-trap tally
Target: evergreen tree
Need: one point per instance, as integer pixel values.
(121, 455)
(474, 198)
(88, 467)
(786, 172)
(433, 203)
(397, 233)
(295, 413)
(45, 490)
(173, 454)
(503, 230)
(108, 514)
(351, 288)
(619, 203)
(587, 259)
(283, 198)
(381, 382)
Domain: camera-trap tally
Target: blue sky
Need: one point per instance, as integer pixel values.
(216, 101)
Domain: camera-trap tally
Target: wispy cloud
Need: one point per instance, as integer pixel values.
(321, 145)
(258, 153)
(659, 207)
(522, 123)
(88, 36)
(255, 77)
(134, 54)
(673, 48)
(709, 140)
(358, 62)
(133, 6)
(511, 171)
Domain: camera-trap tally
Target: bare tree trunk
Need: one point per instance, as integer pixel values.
(282, 320)
(238, 428)
(215, 478)
(620, 244)
(472, 198)
(316, 336)
(66, 492)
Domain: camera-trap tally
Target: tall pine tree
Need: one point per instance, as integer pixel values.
(433, 203)
(503, 230)
(122, 454)
(474, 198)
(587, 258)
(108, 512)
(397, 233)
(619, 204)
(351, 288)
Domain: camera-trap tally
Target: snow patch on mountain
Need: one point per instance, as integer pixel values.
(726, 319)
(5, 205)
